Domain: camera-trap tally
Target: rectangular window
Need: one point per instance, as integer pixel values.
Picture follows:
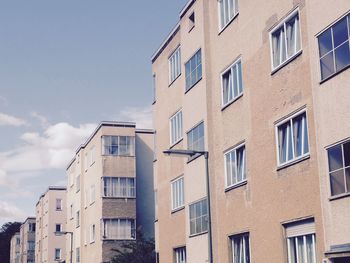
(119, 187)
(339, 168)
(193, 70)
(118, 145)
(77, 219)
(92, 156)
(180, 255)
(231, 83)
(285, 40)
(58, 204)
(301, 243)
(77, 183)
(334, 50)
(198, 217)
(92, 194)
(175, 65)
(156, 204)
(195, 138)
(71, 211)
(228, 9)
(155, 145)
(235, 166)
(57, 253)
(86, 162)
(58, 228)
(191, 21)
(78, 254)
(176, 128)
(119, 229)
(293, 142)
(31, 227)
(92, 233)
(31, 246)
(154, 88)
(177, 193)
(240, 248)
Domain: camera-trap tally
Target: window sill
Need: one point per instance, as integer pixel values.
(229, 188)
(231, 102)
(198, 234)
(340, 196)
(286, 62)
(156, 220)
(334, 74)
(118, 155)
(91, 242)
(177, 209)
(176, 143)
(117, 197)
(171, 83)
(225, 26)
(154, 160)
(92, 164)
(187, 90)
(190, 29)
(303, 158)
(124, 239)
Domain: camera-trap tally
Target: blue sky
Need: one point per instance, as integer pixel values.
(65, 66)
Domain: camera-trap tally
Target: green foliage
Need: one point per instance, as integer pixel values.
(6, 232)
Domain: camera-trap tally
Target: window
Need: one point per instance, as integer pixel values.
(193, 70)
(87, 195)
(155, 145)
(77, 219)
(195, 138)
(235, 164)
(57, 253)
(177, 193)
(118, 145)
(334, 48)
(198, 217)
(240, 248)
(154, 88)
(86, 162)
(92, 156)
(339, 168)
(301, 242)
(31, 245)
(119, 187)
(58, 228)
(175, 65)
(156, 204)
(119, 229)
(92, 233)
(180, 255)
(285, 40)
(77, 183)
(78, 254)
(18, 241)
(58, 204)
(293, 142)
(92, 193)
(71, 211)
(228, 10)
(231, 81)
(31, 227)
(176, 128)
(191, 21)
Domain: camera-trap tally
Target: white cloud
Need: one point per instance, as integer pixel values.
(10, 211)
(141, 116)
(42, 119)
(8, 120)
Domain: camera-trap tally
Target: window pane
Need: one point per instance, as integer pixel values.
(233, 168)
(346, 149)
(292, 35)
(240, 82)
(306, 137)
(325, 42)
(347, 178)
(240, 164)
(327, 65)
(340, 32)
(342, 56)
(335, 159)
(297, 132)
(309, 249)
(337, 182)
(300, 249)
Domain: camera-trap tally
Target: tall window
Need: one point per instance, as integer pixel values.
(31, 245)
(58, 228)
(58, 204)
(285, 40)
(92, 193)
(198, 217)
(193, 70)
(77, 183)
(339, 168)
(175, 65)
(235, 164)
(119, 229)
(154, 87)
(31, 227)
(92, 233)
(78, 254)
(240, 248)
(334, 48)
(176, 127)
(228, 10)
(301, 242)
(231, 81)
(177, 193)
(195, 138)
(180, 255)
(293, 142)
(57, 253)
(119, 187)
(77, 219)
(92, 156)
(118, 145)
(71, 211)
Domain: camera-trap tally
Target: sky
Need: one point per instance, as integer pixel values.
(65, 66)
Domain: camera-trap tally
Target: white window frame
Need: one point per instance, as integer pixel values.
(92, 233)
(191, 73)
(105, 228)
(192, 130)
(118, 184)
(195, 218)
(59, 201)
(60, 253)
(231, 15)
(130, 146)
(277, 27)
(176, 130)
(289, 119)
(231, 68)
(178, 200)
(232, 240)
(180, 252)
(174, 62)
(234, 149)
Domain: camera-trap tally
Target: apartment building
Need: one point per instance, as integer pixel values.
(248, 83)
(51, 218)
(27, 239)
(110, 191)
(15, 248)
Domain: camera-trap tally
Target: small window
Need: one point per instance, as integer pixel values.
(78, 254)
(293, 142)
(31, 227)
(235, 166)
(177, 193)
(228, 10)
(92, 194)
(231, 81)
(92, 233)
(58, 228)
(285, 40)
(193, 70)
(71, 211)
(175, 65)
(155, 204)
(77, 218)
(57, 253)
(339, 168)
(198, 217)
(195, 138)
(191, 21)
(77, 183)
(334, 47)
(92, 156)
(176, 128)
(154, 88)
(58, 204)
(240, 248)
(180, 255)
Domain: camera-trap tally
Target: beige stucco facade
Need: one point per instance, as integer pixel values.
(95, 165)
(273, 197)
(51, 217)
(27, 238)
(15, 248)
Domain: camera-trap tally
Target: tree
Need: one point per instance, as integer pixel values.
(6, 232)
(139, 251)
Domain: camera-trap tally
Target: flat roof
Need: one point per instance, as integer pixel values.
(57, 188)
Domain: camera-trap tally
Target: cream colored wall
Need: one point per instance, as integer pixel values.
(14, 248)
(26, 236)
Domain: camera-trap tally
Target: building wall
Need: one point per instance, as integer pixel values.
(27, 255)
(15, 248)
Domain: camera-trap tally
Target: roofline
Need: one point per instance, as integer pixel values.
(29, 218)
(50, 188)
(186, 7)
(148, 131)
